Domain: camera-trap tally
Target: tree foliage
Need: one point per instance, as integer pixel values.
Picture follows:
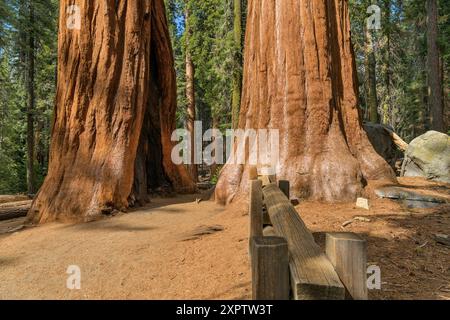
(401, 53)
(15, 32)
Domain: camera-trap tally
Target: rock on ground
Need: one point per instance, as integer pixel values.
(428, 156)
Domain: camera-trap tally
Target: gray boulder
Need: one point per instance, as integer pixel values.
(428, 156)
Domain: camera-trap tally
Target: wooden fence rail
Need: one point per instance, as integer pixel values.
(314, 274)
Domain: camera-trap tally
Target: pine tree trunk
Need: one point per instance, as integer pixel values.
(300, 78)
(445, 94)
(388, 116)
(435, 99)
(115, 113)
(190, 95)
(237, 72)
(31, 101)
(371, 78)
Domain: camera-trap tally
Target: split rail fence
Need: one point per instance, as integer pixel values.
(287, 263)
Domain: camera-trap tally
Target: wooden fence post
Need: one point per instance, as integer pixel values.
(270, 268)
(256, 210)
(348, 254)
(285, 187)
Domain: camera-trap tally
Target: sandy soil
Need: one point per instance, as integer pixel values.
(141, 255)
(154, 253)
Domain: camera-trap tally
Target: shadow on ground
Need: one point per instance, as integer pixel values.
(413, 264)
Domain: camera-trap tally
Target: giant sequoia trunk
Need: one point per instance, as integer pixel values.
(300, 78)
(115, 112)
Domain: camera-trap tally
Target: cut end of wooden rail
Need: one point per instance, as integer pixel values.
(313, 276)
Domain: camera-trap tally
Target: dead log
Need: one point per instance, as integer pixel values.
(14, 211)
(5, 199)
(13, 204)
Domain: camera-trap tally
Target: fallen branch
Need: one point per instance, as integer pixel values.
(399, 142)
(360, 219)
(442, 239)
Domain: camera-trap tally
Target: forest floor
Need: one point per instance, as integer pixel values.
(180, 249)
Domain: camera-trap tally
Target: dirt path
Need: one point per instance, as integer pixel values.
(154, 253)
(141, 255)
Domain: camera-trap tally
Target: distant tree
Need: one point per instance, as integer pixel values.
(190, 88)
(371, 77)
(401, 63)
(435, 91)
(28, 50)
(31, 95)
(237, 71)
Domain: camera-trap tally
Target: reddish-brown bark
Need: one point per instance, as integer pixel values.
(115, 112)
(300, 78)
